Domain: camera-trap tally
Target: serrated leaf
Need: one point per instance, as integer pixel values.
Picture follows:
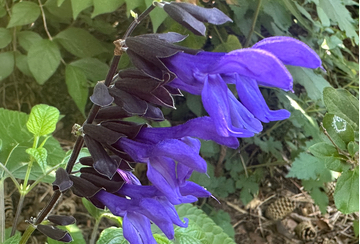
(94, 69)
(22, 64)
(231, 44)
(80, 42)
(112, 235)
(313, 83)
(78, 6)
(336, 164)
(28, 38)
(43, 60)
(6, 64)
(157, 16)
(323, 150)
(23, 13)
(346, 195)
(75, 233)
(14, 239)
(5, 37)
(307, 167)
(320, 199)
(16, 139)
(77, 86)
(42, 120)
(106, 6)
(212, 233)
(341, 103)
(40, 155)
(339, 130)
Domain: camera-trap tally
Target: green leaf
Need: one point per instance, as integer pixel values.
(28, 38)
(112, 235)
(132, 5)
(341, 103)
(323, 150)
(78, 6)
(346, 195)
(2, 12)
(161, 239)
(77, 86)
(80, 42)
(249, 187)
(6, 64)
(313, 83)
(59, 13)
(75, 233)
(40, 155)
(209, 148)
(5, 37)
(42, 120)
(353, 148)
(336, 164)
(204, 226)
(43, 60)
(322, 16)
(231, 44)
(106, 6)
(14, 239)
(93, 211)
(223, 219)
(356, 227)
(157, 16)
(94, 69)
(337, 12)
(22, 64)
(194, 103)
(23, 13)
(320, 199)
(307, 167)
(339, 130)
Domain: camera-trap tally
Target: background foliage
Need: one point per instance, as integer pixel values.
(53, 52)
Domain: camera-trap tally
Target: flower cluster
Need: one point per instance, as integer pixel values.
(162, 70)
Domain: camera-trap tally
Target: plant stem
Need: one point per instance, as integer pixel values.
(2, 211)
(253, 24)
(18, 211)
(80, 140)
(95, 230)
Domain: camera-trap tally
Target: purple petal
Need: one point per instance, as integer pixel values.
(191, 188)
(137, 229)
(290, 51)
(257, 64)
(250, 95)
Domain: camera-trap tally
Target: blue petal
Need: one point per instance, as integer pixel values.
(257, 64)
(290, 51)
(250, 95)
(191, 188)
(137, 229)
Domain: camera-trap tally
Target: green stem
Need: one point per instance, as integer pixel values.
(11, 176)
(25, 237)
(27, 175)
(2, 211)
(18, 212)
(253, 24)
(95, 230)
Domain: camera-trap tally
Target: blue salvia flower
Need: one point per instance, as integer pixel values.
(207, 74)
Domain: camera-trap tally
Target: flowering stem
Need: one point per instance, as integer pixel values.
(253, 24)
(80, 140)
(2, 211)
(95, 230)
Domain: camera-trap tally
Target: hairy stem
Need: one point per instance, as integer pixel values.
(253, 24)
(94, 231)
(80, 141)
(18, 211)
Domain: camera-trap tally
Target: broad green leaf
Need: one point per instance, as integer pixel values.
(43, 59)
(341, 103)
(112, 235)
(352, 148)
(6, 64)
(94, 69)
(23, 13)
(40, 155)
(346, 195)
(42, 120)
(194, 103)
(313, 83)
(306, 167)
(337, 12)
(60, 2)
(75, 233)
(336, 164)
(298, 11)
(2, 12)
(106, 6)
(16, 139)
(209, 148)
(80, 42)
(157, 16)
(14, 239)
(322, 16)
(61, 13)
(78, 6)
(77, 86)
(93, 211)
(277, 11)
(22, 63)
(339, 130)
(231, 44)
(356, 227)
(323, 150)
(28, 38)
(162, 239)
(205, 226)
(5, 37)
(320, 199)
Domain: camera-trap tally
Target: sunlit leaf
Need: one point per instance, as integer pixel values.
(23, 13)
